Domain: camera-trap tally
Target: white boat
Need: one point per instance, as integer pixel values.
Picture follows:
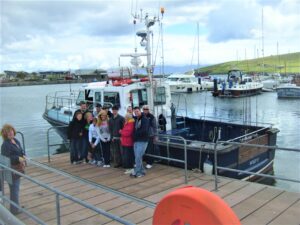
(237, 85)
(288, 91)
(179, 137)
(183, 83)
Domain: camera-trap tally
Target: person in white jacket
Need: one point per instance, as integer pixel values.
(94, 140)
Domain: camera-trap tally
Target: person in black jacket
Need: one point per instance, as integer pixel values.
(75, 134)
(141, 137)
(12, 149)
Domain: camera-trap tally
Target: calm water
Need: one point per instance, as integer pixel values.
(23, 107)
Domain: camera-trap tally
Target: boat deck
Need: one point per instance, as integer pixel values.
(134, 199)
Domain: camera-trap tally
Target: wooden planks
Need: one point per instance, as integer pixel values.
(253, 203)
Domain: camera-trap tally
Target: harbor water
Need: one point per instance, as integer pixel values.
(23, 107)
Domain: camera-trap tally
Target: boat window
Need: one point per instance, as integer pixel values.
(98, 97)
(112, 98)
(89, 96)
(160, 96)
(173, 79)
(185, 80)
(139, 97)
(80, 97)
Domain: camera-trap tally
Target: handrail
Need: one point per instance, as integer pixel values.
(173, 159)
(220, 119)
(48, 140)
(23, 140)
(245, 135)
(216, 167)
(67, 196)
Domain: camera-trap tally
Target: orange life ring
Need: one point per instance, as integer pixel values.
(194, 206)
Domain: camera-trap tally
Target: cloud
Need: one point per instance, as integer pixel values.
(71, 34)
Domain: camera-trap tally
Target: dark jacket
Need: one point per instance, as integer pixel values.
(152, 124)
(115, 125)
(141, 129)
(75, 128)
(12, 151)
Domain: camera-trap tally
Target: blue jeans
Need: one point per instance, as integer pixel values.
(84, 149)
(14, 194)
(76, 145)
(139, 150)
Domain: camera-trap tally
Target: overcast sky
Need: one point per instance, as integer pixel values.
(41, 35)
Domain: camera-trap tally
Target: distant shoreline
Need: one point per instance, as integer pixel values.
(31, 83)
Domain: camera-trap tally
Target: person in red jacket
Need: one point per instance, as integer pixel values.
(127, 142)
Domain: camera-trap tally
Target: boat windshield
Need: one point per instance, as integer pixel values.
(173, 79)
(80, 97)
(112, 97)
(160, 96)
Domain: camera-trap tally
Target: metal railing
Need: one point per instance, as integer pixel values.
(58, 194)
(56, 144)
(216, 167)
(23, 140)
(167, 141)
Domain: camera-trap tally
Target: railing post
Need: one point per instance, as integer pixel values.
(216, 165)
(2, 180)
(57, 209)
(48, 146)
(185, 162)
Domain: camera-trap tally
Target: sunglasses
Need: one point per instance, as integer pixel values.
(145, 109)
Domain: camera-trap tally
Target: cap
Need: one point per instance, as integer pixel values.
(115, 107)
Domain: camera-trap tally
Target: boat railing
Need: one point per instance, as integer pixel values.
(6, 173)
(236, 121)
(247, 136)
(167, 139)
(216, 167)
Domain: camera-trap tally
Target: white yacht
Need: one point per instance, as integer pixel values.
(183, 83)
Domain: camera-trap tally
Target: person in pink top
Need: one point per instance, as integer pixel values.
(127, 142)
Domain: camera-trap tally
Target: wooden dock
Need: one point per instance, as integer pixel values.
(253, 203)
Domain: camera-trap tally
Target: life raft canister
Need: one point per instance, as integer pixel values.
(121, 82)
(194, 206)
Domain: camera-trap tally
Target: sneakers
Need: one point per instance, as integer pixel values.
(99, 163)
(148, 166)
(140, 175)
(106, 166)
(93, 162)
(128, 171)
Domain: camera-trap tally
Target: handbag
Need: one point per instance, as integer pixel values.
(20, 167)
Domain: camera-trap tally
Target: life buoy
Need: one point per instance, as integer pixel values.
(192, 205)
(125, 81)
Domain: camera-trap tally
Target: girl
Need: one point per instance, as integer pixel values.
(104, 136)
(127, 143)
(94, 141)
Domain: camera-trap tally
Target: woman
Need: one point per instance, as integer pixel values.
(104, 136)
(88, 120)
(12, 149)
(127, 142)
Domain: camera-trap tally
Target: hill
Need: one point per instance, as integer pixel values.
(285, 64)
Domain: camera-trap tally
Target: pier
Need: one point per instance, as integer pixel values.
(134, 199)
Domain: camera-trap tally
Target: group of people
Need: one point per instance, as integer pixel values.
(103, 138)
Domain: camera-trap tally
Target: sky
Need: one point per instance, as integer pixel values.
(40, 35)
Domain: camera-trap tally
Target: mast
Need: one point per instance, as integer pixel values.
(262, 41)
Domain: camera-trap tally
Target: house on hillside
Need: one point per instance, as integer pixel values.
(89, 75)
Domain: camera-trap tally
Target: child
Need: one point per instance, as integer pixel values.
(94, 140)
(104, 137)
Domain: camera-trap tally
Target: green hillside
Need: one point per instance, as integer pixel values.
(287, 63)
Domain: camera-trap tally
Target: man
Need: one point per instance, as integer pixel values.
(116, 123)
(141, 138)
(152, 131)
(83, 108)
(97, 110)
